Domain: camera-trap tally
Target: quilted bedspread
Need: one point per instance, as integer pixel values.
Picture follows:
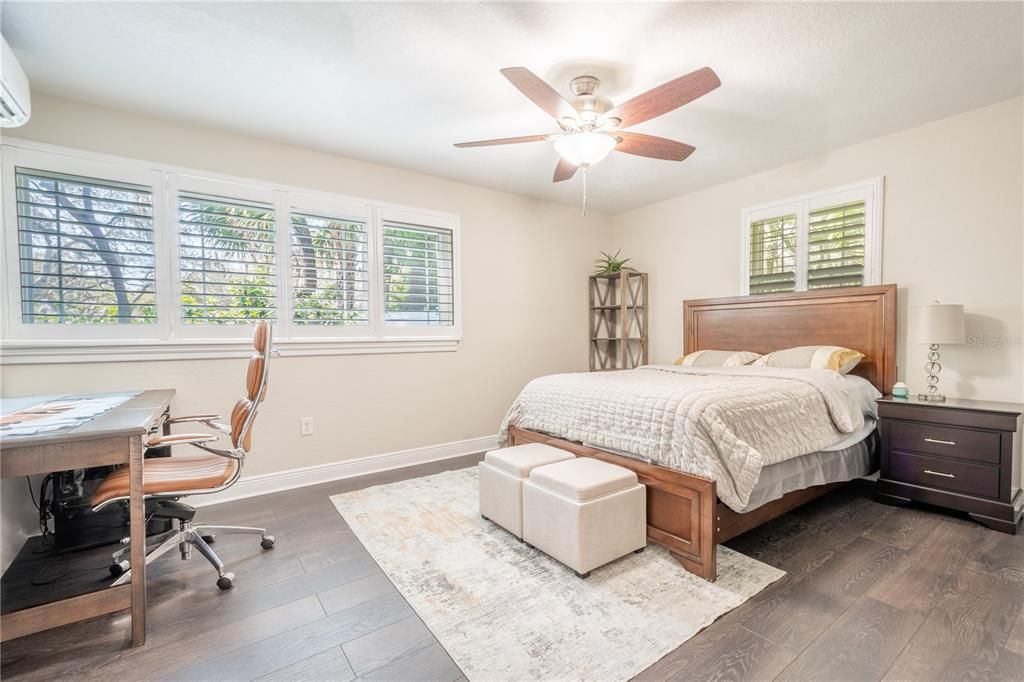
(721, 423)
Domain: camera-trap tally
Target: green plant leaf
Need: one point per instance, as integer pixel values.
(610, 264)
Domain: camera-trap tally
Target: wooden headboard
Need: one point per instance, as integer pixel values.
(861, 318)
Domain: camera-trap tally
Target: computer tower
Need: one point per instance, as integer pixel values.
(65, 498)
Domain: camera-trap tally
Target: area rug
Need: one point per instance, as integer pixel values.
(505, 611)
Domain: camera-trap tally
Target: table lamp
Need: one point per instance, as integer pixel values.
(935, 324)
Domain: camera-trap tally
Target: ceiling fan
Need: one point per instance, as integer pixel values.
(591, 126)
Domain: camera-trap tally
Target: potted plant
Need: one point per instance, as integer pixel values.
(610, 265)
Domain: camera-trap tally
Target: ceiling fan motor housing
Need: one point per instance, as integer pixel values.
(590, 106)
(584, 85)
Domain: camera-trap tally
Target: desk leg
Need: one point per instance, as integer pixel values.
(137, 518)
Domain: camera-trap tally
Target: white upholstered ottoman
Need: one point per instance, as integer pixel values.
(501, 481)
(584, 512)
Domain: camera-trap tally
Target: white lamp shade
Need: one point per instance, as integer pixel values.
(941, 323)
(584, 149)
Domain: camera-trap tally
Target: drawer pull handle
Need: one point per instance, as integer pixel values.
(940, 442)
(939, 473)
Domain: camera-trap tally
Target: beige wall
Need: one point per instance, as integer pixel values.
(952, 232)
(523, 270)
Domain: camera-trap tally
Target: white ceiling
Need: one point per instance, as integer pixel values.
(397, 84)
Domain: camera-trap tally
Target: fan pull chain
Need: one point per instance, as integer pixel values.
(584, 212)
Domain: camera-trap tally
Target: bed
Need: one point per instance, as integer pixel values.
(684, 512)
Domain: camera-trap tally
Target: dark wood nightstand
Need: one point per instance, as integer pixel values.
(958, 454)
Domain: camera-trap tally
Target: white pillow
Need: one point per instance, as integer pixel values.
(717, 358)
(838, 358)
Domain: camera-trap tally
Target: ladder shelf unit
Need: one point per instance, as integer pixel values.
(618, 321)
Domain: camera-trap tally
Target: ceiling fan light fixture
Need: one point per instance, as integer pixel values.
(591, 126)
(584, 149)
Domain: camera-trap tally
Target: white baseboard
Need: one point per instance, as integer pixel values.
(261, 484)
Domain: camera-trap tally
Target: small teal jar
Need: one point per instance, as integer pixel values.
(900, 390)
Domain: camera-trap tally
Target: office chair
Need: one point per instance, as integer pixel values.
(167, 479)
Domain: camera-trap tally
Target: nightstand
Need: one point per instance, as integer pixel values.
(958, 454)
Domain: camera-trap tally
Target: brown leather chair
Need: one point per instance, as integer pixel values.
(212, 469)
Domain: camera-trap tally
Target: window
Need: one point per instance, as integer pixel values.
(330, 271)
(227, 260)
(835, 246)
(418, 285)
(85, 249)
(773, 255)
(164, 261)
(817, 241)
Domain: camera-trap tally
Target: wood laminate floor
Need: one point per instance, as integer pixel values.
(871, 593)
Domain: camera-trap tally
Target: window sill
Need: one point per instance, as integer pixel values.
(52, 352)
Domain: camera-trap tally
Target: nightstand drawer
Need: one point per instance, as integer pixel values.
(948, 441)
(932, 472)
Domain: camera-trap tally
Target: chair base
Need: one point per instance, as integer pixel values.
(187, 536)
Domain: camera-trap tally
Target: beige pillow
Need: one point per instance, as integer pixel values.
(717, 358)
(838, 358)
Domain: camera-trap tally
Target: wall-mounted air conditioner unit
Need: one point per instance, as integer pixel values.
(15, 103)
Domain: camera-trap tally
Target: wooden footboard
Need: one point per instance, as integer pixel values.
(680, 507)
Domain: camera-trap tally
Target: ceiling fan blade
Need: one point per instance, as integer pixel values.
(651, 146)
(502, 140)
(665, 97)
(539, 92)
(563, 171)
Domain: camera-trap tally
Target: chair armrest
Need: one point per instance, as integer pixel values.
(179, 439)
(194, 418)
(223, 428)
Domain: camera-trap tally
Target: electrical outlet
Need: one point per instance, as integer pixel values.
(306, 426)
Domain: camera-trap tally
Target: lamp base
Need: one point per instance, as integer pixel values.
(932, 367)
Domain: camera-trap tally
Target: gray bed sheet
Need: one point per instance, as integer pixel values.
(817, 468)
(842, 463)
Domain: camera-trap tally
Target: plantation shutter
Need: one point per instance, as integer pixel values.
(835, 250)
(418, 275)
(773, 255)
(86, 250)
(228, 273)
(330, 271)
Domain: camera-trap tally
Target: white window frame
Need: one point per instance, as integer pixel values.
(169, 338)
(13, 327)
(340, 208)
(229, 190)
(869, 191)
(420, 219)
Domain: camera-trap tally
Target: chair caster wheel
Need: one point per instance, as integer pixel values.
(208, 539)
(226, 581)
(267, 542)
(119, 567)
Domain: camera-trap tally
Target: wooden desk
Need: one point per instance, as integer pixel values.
(113, 437)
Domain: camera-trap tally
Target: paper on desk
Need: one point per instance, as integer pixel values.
(60, 414)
